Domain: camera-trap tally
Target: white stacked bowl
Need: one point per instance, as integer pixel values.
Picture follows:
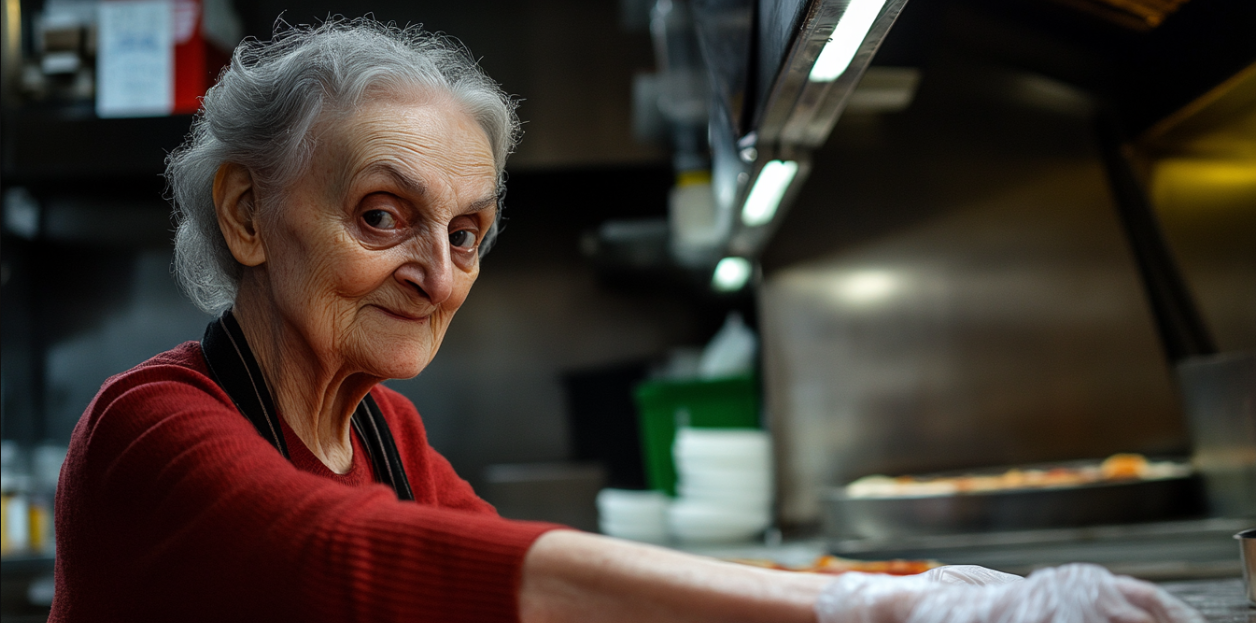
(724, 484)
(704, 522)
(635, 515)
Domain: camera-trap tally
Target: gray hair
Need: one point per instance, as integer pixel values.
(261, 112)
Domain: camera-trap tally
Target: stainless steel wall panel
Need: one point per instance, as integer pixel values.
(953, 290)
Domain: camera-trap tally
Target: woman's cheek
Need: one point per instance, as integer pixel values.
(358, 274)
(463, 283)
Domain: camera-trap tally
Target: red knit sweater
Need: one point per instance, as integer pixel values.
(172, 507)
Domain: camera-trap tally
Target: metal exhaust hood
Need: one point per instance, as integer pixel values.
(782, 72)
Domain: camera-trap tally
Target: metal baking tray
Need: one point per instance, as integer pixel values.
(1119, 502)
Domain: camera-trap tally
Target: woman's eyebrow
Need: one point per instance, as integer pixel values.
(408, 184)
(483, 204)
(416, 187)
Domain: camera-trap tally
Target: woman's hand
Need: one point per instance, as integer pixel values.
(1072, 593)
(969, 574)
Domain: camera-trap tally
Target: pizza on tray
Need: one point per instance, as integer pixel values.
(1116, 468)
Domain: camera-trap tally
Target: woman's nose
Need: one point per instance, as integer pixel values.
(429, 273)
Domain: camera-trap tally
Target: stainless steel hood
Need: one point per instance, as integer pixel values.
(782, 73)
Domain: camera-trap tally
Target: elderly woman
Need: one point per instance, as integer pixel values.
(334, 200)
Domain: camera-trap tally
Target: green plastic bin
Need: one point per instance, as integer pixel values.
(663, 406)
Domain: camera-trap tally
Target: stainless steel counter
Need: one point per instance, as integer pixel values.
(1196, 560)
(1159, 552)
(1220, 601)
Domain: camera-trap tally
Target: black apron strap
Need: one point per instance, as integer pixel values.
(371, 427)
(233, 368)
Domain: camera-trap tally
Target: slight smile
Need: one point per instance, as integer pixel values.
(402, 316)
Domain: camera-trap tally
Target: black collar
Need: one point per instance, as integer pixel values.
(232, 366)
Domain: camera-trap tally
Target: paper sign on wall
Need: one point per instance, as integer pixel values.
(135, 58)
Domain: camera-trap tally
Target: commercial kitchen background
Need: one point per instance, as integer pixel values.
(952, 287)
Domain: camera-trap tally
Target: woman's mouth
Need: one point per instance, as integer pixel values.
(403, 315)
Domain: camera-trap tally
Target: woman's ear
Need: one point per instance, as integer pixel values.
(236, 204)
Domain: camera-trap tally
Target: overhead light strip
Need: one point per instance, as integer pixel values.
(847, 36)
(768, 191)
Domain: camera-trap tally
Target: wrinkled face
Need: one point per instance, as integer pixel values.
(376, 246)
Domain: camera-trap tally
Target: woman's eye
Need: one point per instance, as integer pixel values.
(380, 219)
(462, 238)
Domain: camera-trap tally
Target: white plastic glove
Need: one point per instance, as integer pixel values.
(1069, 594)
(969, 574)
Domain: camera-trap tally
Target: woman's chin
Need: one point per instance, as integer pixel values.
(395, 369)
(384, 352)
(397, 361)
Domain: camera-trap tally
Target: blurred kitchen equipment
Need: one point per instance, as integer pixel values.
(1219, 393)
(667, 405)
(725, 484)
(635, 515)
(724, 394)
(1219, 390)
(703, 522)
(158, 57)
(46, 460)
(14, 499)
(1247, 554)
(1183, 333)
(563, 493)
(697, 224)
(1159, 551)
(1116, 502)
(731, 352)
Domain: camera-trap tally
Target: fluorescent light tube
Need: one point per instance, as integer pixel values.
(731, 274)
(768, 191)
(847, 36)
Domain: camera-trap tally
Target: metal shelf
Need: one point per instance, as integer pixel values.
(44, 144)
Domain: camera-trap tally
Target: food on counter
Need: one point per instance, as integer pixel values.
(1113, 469)
(834, 565)
(1120, 466)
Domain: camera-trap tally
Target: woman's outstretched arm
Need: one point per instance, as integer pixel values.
(570, 576)
(579, 577)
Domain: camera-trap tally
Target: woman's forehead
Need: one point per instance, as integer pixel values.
(425, 141)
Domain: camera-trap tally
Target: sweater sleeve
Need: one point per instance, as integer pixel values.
(172, 507)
